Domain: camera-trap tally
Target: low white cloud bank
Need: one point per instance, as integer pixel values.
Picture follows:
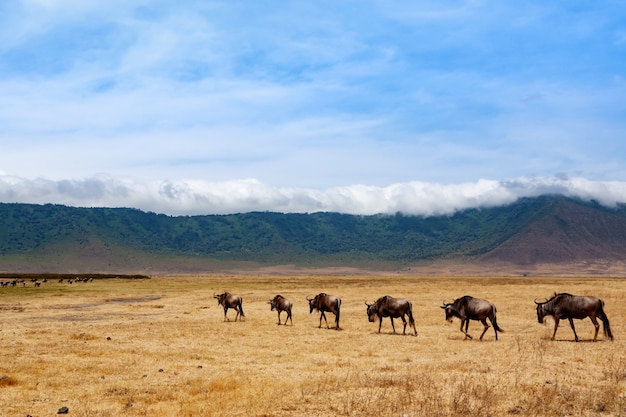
(241, 196)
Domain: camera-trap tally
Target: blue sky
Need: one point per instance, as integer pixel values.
(362, 107)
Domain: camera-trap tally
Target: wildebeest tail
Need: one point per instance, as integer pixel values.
(338, 312)
(241, 309)
(495, 322)
(410, 314)
(606, 326)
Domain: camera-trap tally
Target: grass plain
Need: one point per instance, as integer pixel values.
(160, 347)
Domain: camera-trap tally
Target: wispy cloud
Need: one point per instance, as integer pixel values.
(197, 197)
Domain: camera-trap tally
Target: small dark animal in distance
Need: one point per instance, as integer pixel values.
(323, 302)
(280, 304)
(469, 308)
(228, 300)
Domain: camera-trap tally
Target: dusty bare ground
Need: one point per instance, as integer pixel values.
(605, 268)
(161, 347)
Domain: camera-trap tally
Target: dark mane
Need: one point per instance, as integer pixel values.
(559, 295)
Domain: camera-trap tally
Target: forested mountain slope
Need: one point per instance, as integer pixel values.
(543, 229)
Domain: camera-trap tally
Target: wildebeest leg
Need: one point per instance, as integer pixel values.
(289, 317)
(279, 318)
(484, 322)
(571, 323)
(392, 325)
(556, 326)
(380, 323)
(404, 322)
(225, 310)
(597, 326)
(323, 316)
(466, 323)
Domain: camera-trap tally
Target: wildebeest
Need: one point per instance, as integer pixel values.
(568, 306)
(469, 308)
(228, 300)
(324, 302)
(387, 306)
(280, 304)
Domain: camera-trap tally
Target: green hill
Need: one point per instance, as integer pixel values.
(57, 238)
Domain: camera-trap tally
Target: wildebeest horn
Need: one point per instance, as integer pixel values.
(308, 299)
(539, 303)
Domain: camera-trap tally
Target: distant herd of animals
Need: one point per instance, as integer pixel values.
(37, 283)
(560, 306)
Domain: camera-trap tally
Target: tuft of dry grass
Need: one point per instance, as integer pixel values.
(6, 381)
(161, 347)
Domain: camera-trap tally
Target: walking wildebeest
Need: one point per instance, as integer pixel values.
(568, 306)
(228, 300)
(280, 304)
(324, 302)
(387, 306)
(469, 308)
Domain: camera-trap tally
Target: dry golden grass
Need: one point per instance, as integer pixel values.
(160, 347)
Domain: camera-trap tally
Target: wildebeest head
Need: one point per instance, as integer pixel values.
(314, 303)
(376, 310)
(549, 307)
(371, 312)
(450, 311)
(221, 297)
(542, 311)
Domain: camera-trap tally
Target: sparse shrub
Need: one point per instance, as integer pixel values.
(7, 381)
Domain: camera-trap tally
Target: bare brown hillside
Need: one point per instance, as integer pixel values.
(568, 233)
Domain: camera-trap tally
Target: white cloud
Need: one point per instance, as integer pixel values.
(238, 196)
